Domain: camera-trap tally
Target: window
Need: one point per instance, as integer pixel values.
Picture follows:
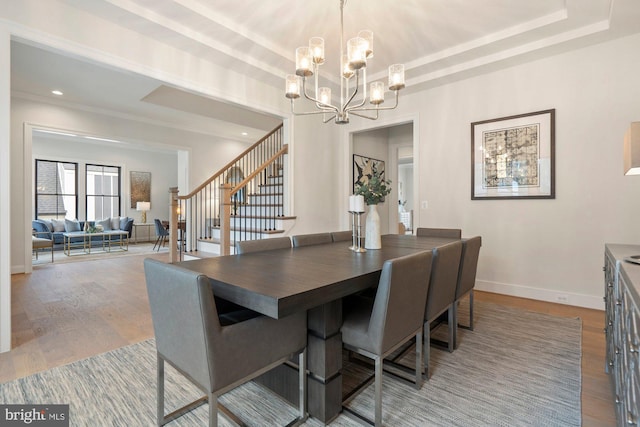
(103, 191)
(56, 193)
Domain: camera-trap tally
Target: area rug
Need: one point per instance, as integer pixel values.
(44, 258)
(517, 368)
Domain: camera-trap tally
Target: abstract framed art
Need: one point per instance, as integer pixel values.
(363, 169)
(514, 157)
(140, 183)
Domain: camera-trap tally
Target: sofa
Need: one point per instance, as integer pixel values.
(54, 229)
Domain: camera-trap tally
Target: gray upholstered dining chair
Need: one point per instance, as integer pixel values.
(442, 293)
(213, 356)
(466, 280)
(452, 233)
(247, 246)
(162, 234)
(342, 236)
(311, 239)
(377, 327)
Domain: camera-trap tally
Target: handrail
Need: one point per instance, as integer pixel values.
(284, 150)
(228, 196)
(231, 163)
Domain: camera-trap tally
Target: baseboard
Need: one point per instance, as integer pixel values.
(18, 269)
(540, 294)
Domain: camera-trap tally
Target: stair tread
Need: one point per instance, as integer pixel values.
(202, 254)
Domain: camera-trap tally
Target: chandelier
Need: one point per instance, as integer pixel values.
(353, 79)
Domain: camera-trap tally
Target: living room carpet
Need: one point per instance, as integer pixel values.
(517, 368)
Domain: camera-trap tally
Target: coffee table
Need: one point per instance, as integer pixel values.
(83, 240)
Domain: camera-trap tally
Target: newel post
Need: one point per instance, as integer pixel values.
(225, 220)
(173, 224)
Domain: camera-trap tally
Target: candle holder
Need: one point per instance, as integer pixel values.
(354, 231)
(356, 209)
(357, 236)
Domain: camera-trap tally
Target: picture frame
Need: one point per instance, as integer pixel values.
(514, 157)
(140, 184)
(363, 167)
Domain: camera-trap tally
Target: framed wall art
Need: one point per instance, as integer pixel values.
(363, 169)
(140, 183)
(514, 157)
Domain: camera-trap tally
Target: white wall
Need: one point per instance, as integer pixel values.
(400, 142)
(320, 202)
(5, 195)
(543, 249)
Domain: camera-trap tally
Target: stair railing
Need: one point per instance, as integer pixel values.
(267, 210)
(199, 213)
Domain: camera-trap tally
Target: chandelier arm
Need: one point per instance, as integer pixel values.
(345, 107)
(364, 115)
(364, 88)
(329, 119)
(319, 104)
(306, 113)
(378, 108)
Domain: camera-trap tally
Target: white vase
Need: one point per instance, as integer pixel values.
(372, 238)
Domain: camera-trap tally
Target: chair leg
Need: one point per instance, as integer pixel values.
(213, 410)
(419, 360)
(454, 308)
(427, 348)
(156, 243)
(378, 391)
(452, 328)
(471, 310)
(160, 388)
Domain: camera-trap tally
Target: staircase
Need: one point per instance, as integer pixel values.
(261, 217)
(245, 200)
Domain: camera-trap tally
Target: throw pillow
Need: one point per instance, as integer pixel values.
(123, 223)
(58, 224)
(115, 223)
(47, 223)
(105, 223)
(72, 225)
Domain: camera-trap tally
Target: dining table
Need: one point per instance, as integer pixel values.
(313, 278)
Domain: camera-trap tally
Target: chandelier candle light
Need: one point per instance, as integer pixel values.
(353, 63)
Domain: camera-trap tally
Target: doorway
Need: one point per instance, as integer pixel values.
(392, 145)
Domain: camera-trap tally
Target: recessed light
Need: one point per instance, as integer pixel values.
(56, 92)
(244, 134)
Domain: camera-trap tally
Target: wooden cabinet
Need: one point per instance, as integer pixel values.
(622, 321)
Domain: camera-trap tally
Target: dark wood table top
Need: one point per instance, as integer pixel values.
(282, 281)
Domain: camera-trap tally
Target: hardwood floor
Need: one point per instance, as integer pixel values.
(67, 312)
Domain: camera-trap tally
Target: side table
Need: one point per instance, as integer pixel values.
(147, 235)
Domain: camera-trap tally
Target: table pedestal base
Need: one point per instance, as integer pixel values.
(324, 352)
